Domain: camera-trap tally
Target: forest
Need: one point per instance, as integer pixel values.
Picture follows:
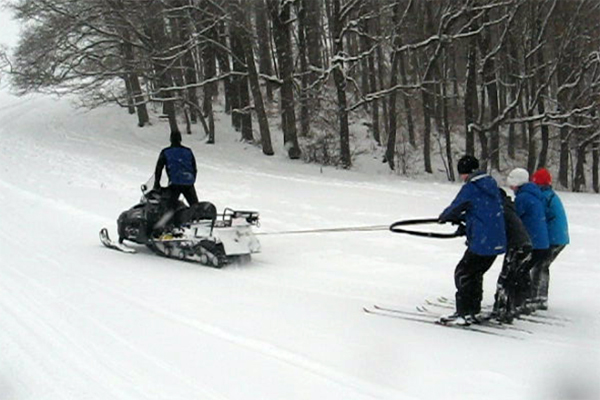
(514, 82)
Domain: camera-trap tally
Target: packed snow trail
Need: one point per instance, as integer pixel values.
(81, 321)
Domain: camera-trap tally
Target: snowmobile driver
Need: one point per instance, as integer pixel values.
(479, 205)
(181, 170)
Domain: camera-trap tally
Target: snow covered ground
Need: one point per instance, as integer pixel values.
(78, 321)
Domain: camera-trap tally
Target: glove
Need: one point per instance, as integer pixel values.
(461, 230)
(453, 221)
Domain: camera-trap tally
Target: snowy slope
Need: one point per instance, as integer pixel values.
(78, 321)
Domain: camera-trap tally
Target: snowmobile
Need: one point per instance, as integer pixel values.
(197, 233)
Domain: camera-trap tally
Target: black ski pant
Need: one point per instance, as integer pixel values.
(188, 191)
(540, 274)
(515, 261)
(468, 278)
(173, 193)
(524, 286)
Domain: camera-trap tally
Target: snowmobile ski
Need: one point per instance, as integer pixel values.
(108, 242)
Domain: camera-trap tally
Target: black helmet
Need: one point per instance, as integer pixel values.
(175, 137)
(468, 164)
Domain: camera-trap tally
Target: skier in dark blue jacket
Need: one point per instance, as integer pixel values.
(529, 202)
(479, 205)
(181, 170)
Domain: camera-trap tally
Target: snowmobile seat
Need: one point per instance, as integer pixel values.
(197, 212)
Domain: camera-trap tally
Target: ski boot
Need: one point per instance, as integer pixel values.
(454, 319)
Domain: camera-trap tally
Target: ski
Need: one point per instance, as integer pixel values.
(424, 312)
(546, 318)
(108, 242)
(536, 318)
(533, 320)
(439, 305)
(431, 320)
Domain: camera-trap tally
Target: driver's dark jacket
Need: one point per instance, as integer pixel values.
(180, 164)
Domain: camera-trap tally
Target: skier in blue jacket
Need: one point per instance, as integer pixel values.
(558, 235)
(479, 205)
(181, 170)
(529, 202)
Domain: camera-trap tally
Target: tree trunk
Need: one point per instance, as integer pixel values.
(363, 49)
(563, 169)
(129, 91)
(484, 156)
(375, 103)
(426, 91)
(181, 30)
(390, 153)
(446, 127)
(541, 78)
(471, 101)
(313, 30)
(489, 77)
(426, 128)
(259, 107)
(280, 16)
(340, 84)
(455, 91)
(531, 145)
(381, 73)
(134, 82)
(263, 36)
(531, 148)
(155, 29)
(579, 179)
(512, 92)
(304, 80)
(224, 64)
(240, 67)
(596, 165)
(407, 108)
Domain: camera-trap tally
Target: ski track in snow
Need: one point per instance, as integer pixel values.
(285, 356)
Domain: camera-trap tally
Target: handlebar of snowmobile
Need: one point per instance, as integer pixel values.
(395, 227)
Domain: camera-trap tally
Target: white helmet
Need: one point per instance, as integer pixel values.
(517, 177)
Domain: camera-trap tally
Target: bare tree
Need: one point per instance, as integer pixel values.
(280, 11)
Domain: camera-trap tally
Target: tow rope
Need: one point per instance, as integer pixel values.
(347, 229)
(395, 227)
